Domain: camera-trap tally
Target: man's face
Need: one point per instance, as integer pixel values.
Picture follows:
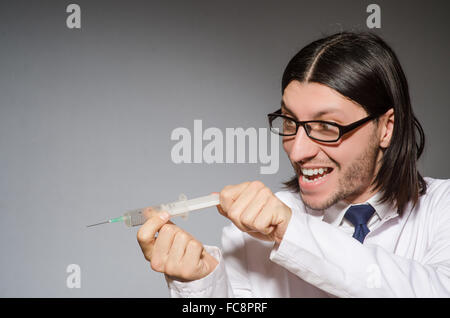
(344, 169)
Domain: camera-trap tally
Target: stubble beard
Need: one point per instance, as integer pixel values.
(354, 181)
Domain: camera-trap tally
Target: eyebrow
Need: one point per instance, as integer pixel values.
(315, 115)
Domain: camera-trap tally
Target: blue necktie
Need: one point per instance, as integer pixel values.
(358, 215)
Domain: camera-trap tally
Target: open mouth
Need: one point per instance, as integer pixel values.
(312, 175)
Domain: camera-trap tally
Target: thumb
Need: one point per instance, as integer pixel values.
(153, 224)
(210, 261)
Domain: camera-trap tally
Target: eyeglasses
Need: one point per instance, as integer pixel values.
(324, 131)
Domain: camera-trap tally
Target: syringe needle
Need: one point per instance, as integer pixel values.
(97, 224)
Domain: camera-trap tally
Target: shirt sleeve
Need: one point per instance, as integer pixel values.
(213, 285)
(228, 279)
(326, 257)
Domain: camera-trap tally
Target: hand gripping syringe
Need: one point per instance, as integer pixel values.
(178, 208)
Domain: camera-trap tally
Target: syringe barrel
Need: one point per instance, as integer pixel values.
(203, 202)
(185, 206)
(137, 217)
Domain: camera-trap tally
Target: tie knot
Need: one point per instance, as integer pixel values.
(359, 214)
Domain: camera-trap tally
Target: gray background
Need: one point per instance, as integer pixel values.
(86, 117)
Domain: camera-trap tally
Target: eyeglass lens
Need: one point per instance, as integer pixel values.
(319, 130)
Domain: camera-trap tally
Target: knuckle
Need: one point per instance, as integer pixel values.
(257, 184)
(167, 228)
(195, 244)
(272, 201)
(226, 194)
(147, 257)
(225, 200)
(156, 264)
(265, 191)
(171, 269)
(226, 188)
(234, 214)
(246, 220)
(181, 236)
(143, 237)
(260, 224)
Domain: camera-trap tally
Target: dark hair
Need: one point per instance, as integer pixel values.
(363, 68)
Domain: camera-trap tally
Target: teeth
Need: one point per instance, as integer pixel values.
(311, 172)
(322, 172)
(309, 181)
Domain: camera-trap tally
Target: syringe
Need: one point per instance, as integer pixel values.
(177, 208)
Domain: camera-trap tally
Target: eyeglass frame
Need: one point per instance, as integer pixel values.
(342, 129)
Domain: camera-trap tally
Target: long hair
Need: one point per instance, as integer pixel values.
(363, 68)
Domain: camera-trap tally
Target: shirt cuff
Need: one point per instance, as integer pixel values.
(212, 285)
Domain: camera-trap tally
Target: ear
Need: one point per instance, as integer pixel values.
(386, 126)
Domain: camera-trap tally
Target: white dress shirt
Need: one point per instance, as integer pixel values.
(402, 256)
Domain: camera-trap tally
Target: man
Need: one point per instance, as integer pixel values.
(358, 220)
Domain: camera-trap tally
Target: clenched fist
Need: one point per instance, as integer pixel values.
(173, 251)
(254, 209)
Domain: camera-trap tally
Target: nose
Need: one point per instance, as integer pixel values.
(302, 148)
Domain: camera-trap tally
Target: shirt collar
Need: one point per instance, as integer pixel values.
(335, 214)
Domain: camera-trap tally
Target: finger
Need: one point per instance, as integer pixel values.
(230, 193)
(242, 202)
(239, 206)
(254, 208)
(193, 254)
(265, 221)
(162, 245)
(221, 211)
(207, 262)
(178, 248)
(148, 230)
(165, 237)
(149, 212)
